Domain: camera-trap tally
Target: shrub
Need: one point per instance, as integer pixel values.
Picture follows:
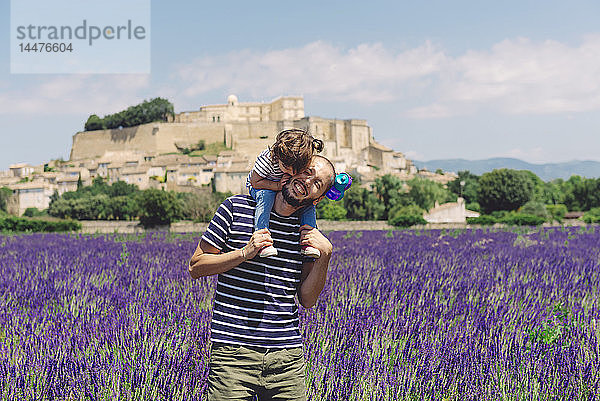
(557, 211)
(34, 212)
(332, 211)
(474, 206)
(484, 220)
(522, 219)
(592, 216)
(406, 220)
(536, 208)
(158, 207)
(20, 224)
(406, 216)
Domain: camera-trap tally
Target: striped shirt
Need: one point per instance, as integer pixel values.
(254, 302)
(265, 167)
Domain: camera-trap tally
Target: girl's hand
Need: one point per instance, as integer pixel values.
(259, 240)
(284, 179)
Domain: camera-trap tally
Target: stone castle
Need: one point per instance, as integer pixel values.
(247, 129)
(150, 155)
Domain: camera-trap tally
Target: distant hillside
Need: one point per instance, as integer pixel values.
(547, 172)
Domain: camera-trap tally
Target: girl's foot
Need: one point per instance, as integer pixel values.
(268, 251)
(311, 252)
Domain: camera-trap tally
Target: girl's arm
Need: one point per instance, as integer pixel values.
(259, 182)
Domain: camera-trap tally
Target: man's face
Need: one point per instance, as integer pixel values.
(308, 186)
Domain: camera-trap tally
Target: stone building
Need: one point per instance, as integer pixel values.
(29, 194)
(246, 128)
(450, 212)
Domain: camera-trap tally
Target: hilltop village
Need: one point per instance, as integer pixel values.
(212, 148)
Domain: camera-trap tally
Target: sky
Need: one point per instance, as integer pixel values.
(434, 79)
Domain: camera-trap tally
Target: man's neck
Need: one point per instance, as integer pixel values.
(281, 207)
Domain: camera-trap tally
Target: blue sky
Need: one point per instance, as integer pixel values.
(436, 79)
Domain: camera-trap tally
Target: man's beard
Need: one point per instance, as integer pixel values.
(290, 199)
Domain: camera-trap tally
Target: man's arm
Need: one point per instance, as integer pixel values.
(207, 260)
(314, 274)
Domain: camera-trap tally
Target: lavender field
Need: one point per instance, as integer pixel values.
(405, 315)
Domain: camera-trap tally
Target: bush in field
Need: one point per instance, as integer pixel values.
(484, 220)
(201, 206)
(406, 216)
(536, 208)
(20, 224)
(557, 211)
(34, 212)
(593, 216)
(330, 210)
(158, 207)
(522, 219)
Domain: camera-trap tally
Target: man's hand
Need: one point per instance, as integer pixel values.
(310, 236)
(259, 240)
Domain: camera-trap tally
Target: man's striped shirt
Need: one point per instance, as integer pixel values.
(265, 167)
(254, 302)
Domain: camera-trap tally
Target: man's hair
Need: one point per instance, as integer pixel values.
(295, 148)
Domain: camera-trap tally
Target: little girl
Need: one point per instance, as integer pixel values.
(291, 153)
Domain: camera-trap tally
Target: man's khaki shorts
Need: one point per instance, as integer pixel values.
(238, 372)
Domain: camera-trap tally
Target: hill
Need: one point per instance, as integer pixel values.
(547, 171)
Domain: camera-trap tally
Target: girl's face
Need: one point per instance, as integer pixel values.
(286, 169)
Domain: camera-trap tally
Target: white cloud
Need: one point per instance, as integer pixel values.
(74, 94)
(516, 76)
(367, 73)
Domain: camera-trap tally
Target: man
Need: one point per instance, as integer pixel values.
(256, 343)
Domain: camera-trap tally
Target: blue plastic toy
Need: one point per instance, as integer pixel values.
(341, 184)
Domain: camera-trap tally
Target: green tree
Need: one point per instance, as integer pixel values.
(505, 189)
(424, 193)
(390, 190)
(120, 208)
(331, 210)
(581, 193)
(94, 123)
(5, 193)
(406, 216)
(158, 207)
(201, 206)
(469, 189)
(557, 211)
(362, 204)
(536, 208)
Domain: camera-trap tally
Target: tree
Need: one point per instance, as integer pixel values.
(536, 208)
(94, 123)
(406, 216)
(390, 191)
(469, 189)
(504, 189)
(5, 193)
(330, 210)
(362, 204)
(581, 193)
(201, 206)
(424, 193)
(158, 207)
(552, 193)
(121, 188)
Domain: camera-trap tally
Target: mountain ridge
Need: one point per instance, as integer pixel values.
(546, 171)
